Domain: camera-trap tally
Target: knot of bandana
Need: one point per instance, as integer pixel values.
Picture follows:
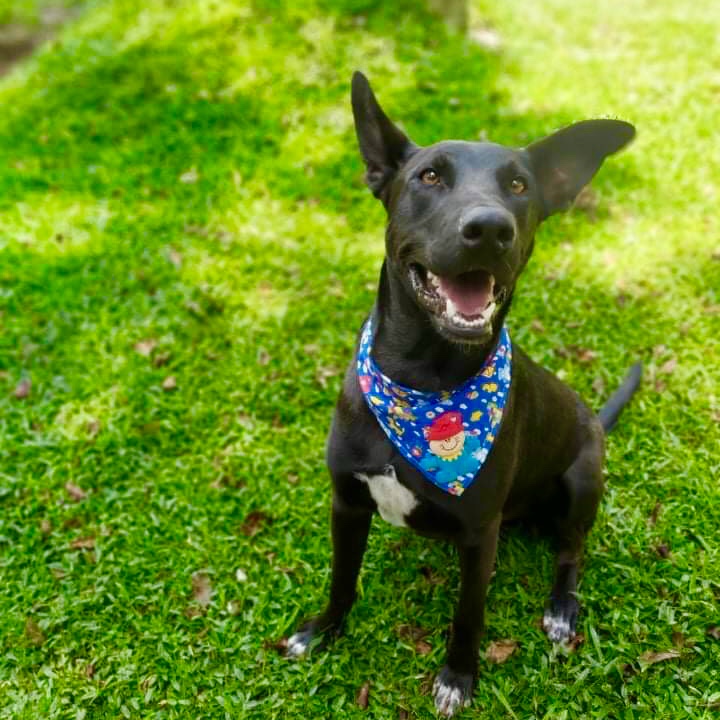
(446, 435)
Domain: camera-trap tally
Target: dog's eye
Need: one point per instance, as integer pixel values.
(429, 177)
(518, 186)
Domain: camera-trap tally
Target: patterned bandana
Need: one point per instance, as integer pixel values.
(446, 435)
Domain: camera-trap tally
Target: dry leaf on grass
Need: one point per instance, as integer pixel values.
(714, 632)
(189, 176)
(433, 577)
(422, 647)
(201, 589)
(169, 383)
(651, 657)
(33, 632)
(411, 633)
(76, 493)
(363, 695)
(175, 257)
(575, 643)
(486, 38)
(678, 639)
(192, 611)
(93, 428)
(668, 366)
(598, 385)
(23, 389)
(254, 522)
(83, 543)
(161, 359)
(500, 650)
(655, 514)
(585, 356)
(145, 347)
(628, 670)
(325, 373)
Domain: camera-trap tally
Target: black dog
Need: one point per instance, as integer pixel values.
(461, 224)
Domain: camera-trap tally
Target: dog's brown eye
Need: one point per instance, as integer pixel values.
(429, 177)
(517, 186)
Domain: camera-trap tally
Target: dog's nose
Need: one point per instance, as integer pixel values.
(488, 226)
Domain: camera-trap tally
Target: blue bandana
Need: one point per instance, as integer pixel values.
(446, 435)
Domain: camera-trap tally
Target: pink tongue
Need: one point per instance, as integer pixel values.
(470, 292)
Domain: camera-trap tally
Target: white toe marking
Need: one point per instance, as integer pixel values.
(394, 501)
(557, 628)
(297, 645)
(447, 698)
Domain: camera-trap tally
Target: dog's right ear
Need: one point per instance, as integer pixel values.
(384, 147)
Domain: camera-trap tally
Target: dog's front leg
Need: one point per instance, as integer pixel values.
(454, 683)
(350, 528)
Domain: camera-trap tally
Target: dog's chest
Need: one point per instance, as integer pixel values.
(394, 501)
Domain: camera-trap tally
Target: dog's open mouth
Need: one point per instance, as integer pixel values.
(465, 302)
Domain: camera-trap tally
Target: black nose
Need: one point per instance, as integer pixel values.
(488, 226)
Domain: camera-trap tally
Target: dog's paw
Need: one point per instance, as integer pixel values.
(452, 691)
(298, 644)
(312, 635)
(560, 619)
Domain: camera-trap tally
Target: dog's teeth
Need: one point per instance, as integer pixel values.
(460, 320)
(433, 279)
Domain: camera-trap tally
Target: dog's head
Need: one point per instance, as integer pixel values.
(462, 215)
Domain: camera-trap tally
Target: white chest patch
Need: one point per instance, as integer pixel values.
(394, 501)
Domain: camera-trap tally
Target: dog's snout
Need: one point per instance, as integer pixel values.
(488, 226)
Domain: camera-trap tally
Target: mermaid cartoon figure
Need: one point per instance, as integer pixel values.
(451, 448)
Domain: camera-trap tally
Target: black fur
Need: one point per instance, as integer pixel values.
(547, 460)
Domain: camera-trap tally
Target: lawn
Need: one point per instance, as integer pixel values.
(186, 253)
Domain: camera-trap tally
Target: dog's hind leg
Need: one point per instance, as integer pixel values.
(581, 490)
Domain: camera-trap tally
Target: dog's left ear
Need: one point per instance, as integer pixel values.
(383, 146)
(564, 162)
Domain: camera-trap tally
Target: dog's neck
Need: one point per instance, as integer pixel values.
(410, 351)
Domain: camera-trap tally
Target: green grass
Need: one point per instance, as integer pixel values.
(185, 173)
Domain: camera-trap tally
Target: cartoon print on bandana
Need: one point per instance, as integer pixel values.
(446, 435)
(451, 448)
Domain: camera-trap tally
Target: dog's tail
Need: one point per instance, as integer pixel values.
(611, 410)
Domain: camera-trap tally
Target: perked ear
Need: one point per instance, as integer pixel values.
(564, 162)
(383, 146)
